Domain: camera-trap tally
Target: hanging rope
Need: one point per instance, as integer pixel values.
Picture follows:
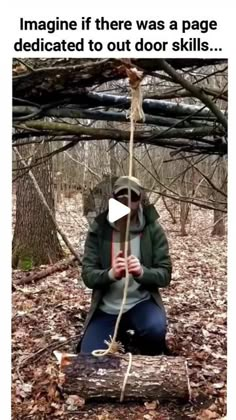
(136, 114)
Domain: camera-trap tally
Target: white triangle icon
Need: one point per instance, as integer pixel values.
(116, 210)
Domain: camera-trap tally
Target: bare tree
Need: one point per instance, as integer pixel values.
(35, 240)
(219, 219)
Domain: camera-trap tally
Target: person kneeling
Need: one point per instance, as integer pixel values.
(103, 271)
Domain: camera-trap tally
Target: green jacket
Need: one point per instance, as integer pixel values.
(154, 252)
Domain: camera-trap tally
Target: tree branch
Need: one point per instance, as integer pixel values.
(24, 113)
(197, 92)
(42, 159)
(147, 136)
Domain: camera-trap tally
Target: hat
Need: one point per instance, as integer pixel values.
(124, 182)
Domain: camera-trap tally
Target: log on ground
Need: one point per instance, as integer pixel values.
(150, 378)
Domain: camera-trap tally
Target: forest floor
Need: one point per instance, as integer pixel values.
(48, 315)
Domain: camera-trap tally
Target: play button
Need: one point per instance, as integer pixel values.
(116, 210)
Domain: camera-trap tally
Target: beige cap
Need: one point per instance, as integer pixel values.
(125, 182)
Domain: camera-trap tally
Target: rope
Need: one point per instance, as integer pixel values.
(112, 344)
(126, 378)
(136, 114)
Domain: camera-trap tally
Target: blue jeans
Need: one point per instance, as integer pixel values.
(146, 319)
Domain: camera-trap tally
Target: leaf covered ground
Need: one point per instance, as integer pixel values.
(48, 315)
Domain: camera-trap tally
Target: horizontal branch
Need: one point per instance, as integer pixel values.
(54, 79)
(173, 137)
(114, 134)
(71, 111)
(192, 201)
(148, 64)
(150, 106)
(175, 144)
(178, 93)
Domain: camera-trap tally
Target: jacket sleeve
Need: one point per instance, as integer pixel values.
(93, 275)
(159, 275)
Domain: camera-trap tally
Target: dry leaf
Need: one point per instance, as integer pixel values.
(151, 405)
(24, 390)
(208, 415)
(105, 416)
(218, 385)
(148, 417)
(74, 402)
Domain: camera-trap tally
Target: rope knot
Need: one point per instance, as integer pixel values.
(136, 110)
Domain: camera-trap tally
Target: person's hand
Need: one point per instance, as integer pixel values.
(118, 266)
(134, 266)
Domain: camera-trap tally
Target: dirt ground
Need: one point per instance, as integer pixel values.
(49, 314)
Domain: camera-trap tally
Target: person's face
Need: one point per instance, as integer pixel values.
(135, 201)
(134, 205)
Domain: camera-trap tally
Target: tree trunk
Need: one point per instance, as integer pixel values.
(150, 378)
(171, 213)
(35, 240)
(184, 206)
(219, 221)
(219, 224)
(113, 159)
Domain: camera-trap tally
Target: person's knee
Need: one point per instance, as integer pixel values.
(90, 343)
(99, 329)
(155, 332)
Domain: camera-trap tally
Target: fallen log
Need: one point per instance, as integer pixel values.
(57, 267)
(150, 378)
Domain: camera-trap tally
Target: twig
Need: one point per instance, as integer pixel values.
(85, 165)
(211, 226)
(42, 159)
(206, 178)
(38, 354)
(211, 296)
